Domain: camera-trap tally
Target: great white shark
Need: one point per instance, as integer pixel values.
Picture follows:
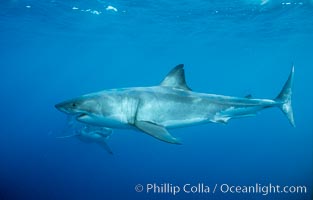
(154, 110)
(89, 133)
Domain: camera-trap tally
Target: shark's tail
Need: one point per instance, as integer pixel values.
(284, 98)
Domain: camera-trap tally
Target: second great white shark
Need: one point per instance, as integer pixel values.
(153, 110)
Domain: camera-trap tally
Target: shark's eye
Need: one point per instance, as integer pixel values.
(74, 104)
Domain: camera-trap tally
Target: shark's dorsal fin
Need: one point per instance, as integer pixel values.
(176, 78)
(248, 96)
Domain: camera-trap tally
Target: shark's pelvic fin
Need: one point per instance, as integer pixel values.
(176, 78)
(156, 131)
(284, 98)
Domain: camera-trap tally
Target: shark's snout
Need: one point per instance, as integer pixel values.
(68, 107)
(62, 107)
(77, 107)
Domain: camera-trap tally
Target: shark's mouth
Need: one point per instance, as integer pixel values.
(81, 115)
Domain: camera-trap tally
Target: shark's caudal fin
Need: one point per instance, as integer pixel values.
(284, 98)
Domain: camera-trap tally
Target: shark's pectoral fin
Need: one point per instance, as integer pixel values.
(105, 146)
(156, 131)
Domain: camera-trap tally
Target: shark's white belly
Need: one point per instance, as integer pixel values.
(118, 121)
(183, 122)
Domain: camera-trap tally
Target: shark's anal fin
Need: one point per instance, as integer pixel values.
(156, 131)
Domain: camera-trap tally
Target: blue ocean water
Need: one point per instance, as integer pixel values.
(53, 50)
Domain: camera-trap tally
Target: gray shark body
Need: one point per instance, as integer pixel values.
(153, 110)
